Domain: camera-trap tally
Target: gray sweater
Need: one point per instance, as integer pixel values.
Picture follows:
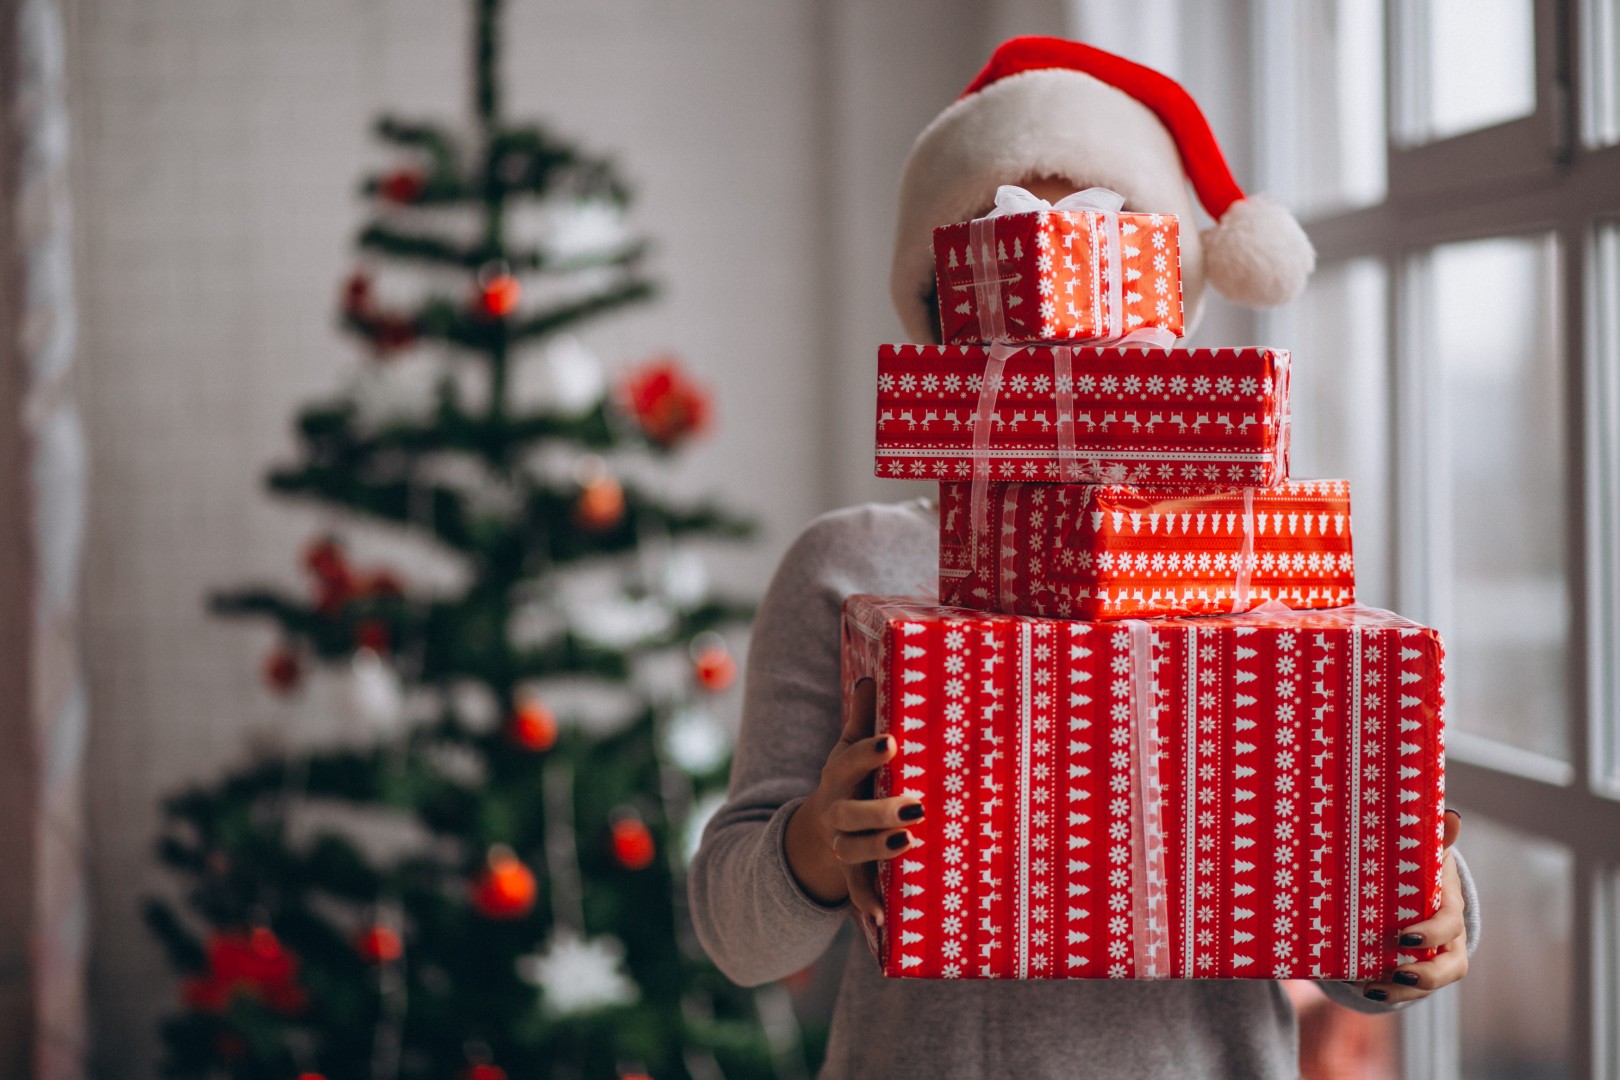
(759, 925)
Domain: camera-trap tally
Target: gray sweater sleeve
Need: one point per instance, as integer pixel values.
(751, 914)
(1349, 994)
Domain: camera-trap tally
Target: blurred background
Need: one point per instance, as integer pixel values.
(180, 211)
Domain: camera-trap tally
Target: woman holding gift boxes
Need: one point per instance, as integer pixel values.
(793, 852)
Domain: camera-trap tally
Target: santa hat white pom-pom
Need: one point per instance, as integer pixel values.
(1257, 255)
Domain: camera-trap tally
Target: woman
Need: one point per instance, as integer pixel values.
(793, 849)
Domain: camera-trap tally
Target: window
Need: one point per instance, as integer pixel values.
(1458, 357)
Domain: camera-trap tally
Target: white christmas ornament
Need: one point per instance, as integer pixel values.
(695, 741)
(376, 697)
(576, 976)
(532, 624)
(400, 392)
(618, 622)
(568, 378)
(577, 229)
(685, 579)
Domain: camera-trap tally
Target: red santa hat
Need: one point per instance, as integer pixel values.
(1047, 107)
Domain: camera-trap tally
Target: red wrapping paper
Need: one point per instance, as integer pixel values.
(1216, 418)
(1300, 791)
(1112, 551)
(1052, 271)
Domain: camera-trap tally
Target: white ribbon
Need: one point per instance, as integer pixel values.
(1245, 568)
(984, 254)
(1149, 887)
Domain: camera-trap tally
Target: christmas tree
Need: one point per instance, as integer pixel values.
(483, 877)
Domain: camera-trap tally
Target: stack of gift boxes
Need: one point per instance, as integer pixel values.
(1153, 735)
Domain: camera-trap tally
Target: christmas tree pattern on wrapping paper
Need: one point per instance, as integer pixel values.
(1299, 831)
(1051, 276)
(1113, 551)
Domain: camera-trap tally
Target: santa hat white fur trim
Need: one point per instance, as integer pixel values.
(1064, 123)
(1257, 254)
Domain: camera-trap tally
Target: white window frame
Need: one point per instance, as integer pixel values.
(1536, 175)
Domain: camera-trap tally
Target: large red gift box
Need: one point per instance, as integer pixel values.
(1053, 276)
(1113, 551)
(1243, 796)
(1208, 417)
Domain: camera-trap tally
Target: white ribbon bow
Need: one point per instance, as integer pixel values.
(1012, 199)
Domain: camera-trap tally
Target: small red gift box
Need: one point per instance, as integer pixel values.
(1243, 796)
(1208, 417)
(1113, 551)
(1060, 276)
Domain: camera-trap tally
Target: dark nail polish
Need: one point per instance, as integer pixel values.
(911, 811)
(898, 841)
(1376, 994)
(882, 745)
(1454, 813)
(1406, 978)
(1411, 940)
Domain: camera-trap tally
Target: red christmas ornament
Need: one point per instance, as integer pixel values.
(324, 558)
(600, 505)
(483, 1072)
(506, 888)
(498, 295)
(391, 333)
(666, 404)
(372, 634)
(283, 670)
(402, 185)
(378, 945)
(311, 1076)
(254, 964)
(532, 727)
(357, 293)
(715, 669)
(633, 845)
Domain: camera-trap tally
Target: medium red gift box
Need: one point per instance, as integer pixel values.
(1053, 274)
(1113, 551)
(1243, 796)
(1212, 417)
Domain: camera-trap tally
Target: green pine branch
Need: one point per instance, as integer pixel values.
(334, 438)
(543, 532)
(452, 321)
(396, 243)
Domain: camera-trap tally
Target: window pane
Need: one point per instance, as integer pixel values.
(1517, 1007)
(1600, 32)
(1327, 105)
(1601, 393)
(1498, 577)
(1480, 64)
(1340, 404)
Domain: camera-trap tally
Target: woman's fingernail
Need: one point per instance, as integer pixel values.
(1375, 994)
(898, 841)
(882, 745)
(911, 811)
(1411, 940)
(862, 681)
(1406, 978)
(1454, 813)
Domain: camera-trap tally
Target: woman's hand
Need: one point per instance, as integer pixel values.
(839, 831)
(1445, 931)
